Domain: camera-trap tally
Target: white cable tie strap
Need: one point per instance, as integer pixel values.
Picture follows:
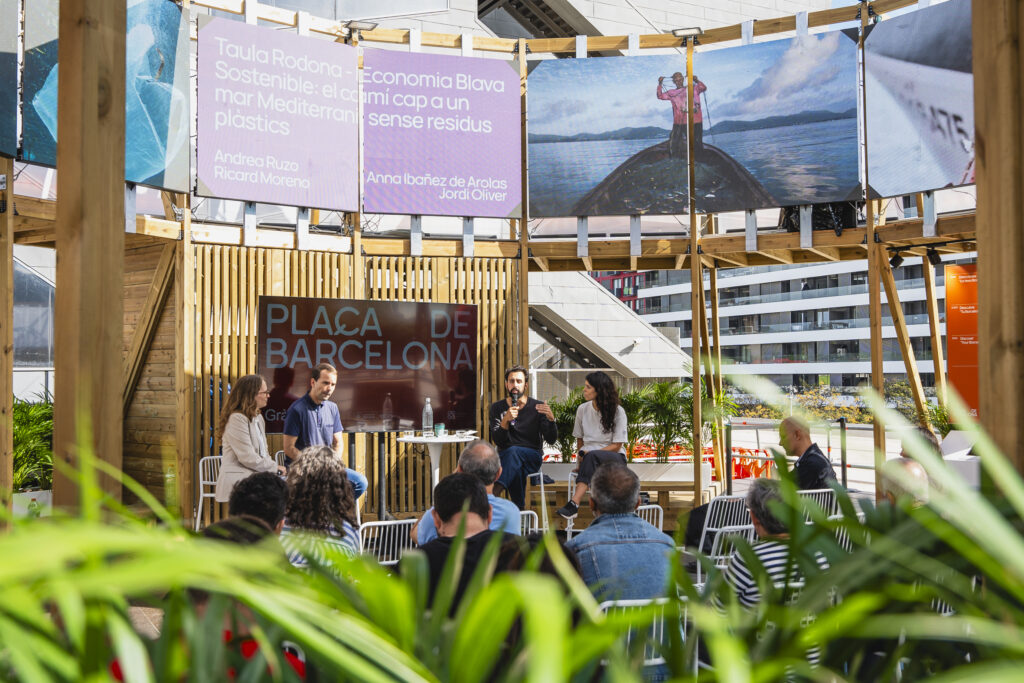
(747, 32)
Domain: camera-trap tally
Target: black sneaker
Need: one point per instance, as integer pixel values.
(569, 510)
(548, 481)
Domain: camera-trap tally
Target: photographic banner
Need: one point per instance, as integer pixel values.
(604, 137)
(390, 356)
(777, 125)
(442, 135)
(920, 101)
(156, 91)
(8, 77)
(962, 332)
(278, 117)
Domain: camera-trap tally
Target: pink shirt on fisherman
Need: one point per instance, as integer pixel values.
(678, 99)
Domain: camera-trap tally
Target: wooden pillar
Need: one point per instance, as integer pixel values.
(7, 335)
(89, 315)
(998, 27)
(716, 361)
(899, 322)
(696, 284)
(523, 307)
(932, 303)
(186, 391)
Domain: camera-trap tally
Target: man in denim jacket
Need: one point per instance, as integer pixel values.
(622, 556)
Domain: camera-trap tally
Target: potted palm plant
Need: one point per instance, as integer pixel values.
(665, 406)
(637, 419)
(565, 419)
(33, 456)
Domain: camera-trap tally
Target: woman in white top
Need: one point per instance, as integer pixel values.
(243, 436)
(600, 432)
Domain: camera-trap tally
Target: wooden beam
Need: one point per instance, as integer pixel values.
(830, 253)
(737, 259)
(187, 397)
(696, 286)
(998, 29)
(588, 264)
(89, 307)
(932, 304)
(6, 338)
(524, 234)
(542, 263)
(899, 322)
(876, 254)
(780, 255)
(152, 309)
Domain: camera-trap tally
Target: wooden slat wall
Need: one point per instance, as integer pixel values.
(491, 284)
(150, 421)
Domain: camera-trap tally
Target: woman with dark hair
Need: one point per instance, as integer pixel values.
(243, 436)
(321, 505)
(600, 432)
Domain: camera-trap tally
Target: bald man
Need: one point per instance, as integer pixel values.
(812, 469)
(904, 479)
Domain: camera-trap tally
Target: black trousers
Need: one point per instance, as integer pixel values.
(591, 460)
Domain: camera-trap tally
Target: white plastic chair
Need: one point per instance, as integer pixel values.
(652, 514)
(529, 522)
(723, 511)
(655, 639)
(825, 498)
(724, 543)
(209, 470)
(386, 541)
(279, 458)
(543, 499)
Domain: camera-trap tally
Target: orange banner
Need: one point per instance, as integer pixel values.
(962, 332)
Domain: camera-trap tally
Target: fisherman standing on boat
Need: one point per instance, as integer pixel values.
(677, 96)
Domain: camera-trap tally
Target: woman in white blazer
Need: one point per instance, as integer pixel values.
(243, 436)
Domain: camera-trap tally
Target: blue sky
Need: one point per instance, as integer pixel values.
(780, 77)
(569, 96)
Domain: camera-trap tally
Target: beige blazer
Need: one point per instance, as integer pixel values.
(244, 451)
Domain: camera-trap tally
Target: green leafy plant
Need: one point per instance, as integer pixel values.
(669, 407)
(938, 418)
(33, 444)
(637, 427)
(565, 419)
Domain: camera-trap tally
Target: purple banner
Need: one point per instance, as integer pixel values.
(278, 117)
(442, 135)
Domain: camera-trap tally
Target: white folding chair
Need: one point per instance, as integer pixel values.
(209, 470)
(386, 541)
(825, 498)
(529, 523)
(279, 458)
(724, 543)
(723, 511)
(655, 639)
(652, 514)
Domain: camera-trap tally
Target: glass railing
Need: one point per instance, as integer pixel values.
(917, 319)
(818, 293)
(836, 358)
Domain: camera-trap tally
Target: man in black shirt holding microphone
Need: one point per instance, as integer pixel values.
(519, 427)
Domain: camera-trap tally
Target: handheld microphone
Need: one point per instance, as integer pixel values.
(515, 399)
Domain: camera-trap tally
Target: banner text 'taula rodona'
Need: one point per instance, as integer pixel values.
(442, 135)
(278, 117)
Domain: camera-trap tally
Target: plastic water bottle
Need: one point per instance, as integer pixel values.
(34, 508)
(388, 413)
(428, 419)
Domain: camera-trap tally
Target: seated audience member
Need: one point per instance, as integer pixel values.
(450, 495)
(516, 552)
(263, 495)
(320, 504)
(772, 549)
(812, 470)
(904, 479)
(480, 460)
(622, 556)
(240, 529)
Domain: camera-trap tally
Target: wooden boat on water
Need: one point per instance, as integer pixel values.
(651, 182)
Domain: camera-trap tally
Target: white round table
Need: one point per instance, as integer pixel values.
(434, 445)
